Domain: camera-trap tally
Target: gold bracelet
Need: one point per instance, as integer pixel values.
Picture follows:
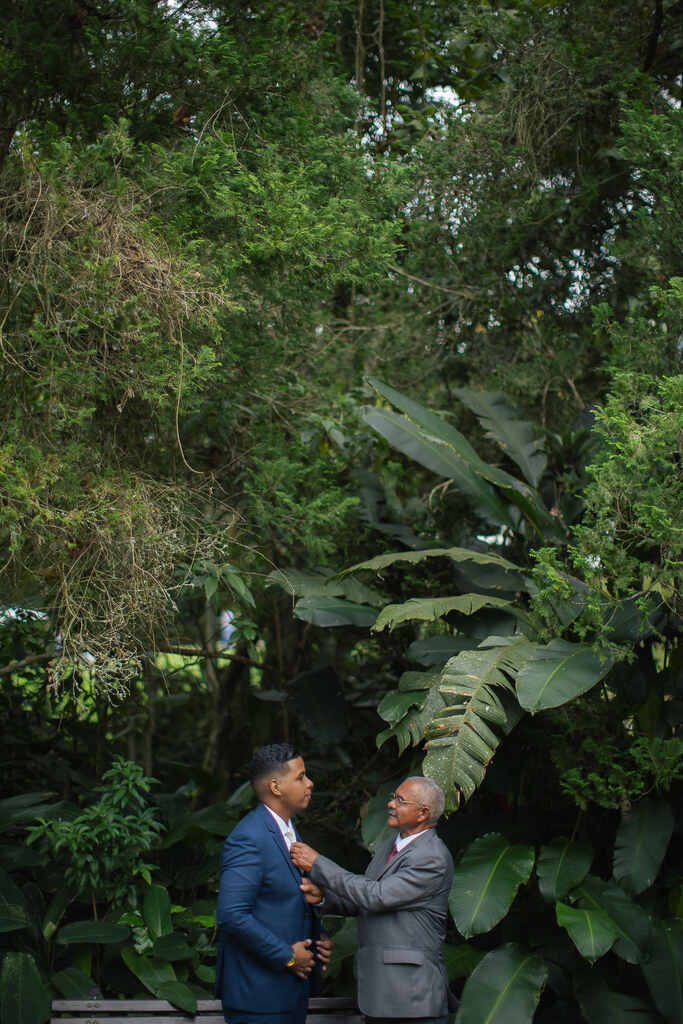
(291, 961)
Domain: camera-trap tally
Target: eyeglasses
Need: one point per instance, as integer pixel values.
(397, 799)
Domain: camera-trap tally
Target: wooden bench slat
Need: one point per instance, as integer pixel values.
(203, 1005)
(335, 1010)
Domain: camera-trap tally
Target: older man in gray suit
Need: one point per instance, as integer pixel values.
(402, 906)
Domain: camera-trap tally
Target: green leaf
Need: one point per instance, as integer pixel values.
(55, 911)
(419, 680)
(557, 673)
(430, 608)
(518, 439)
(593, 932)
(172, 947)
(560, 866)
(206, 974)
(486, 882)
(373, 825)
(395, 705)
(92, 931)
(334, 611)
(13, 911)
(238, 586)
(152, 973)
(345, 946)
(412, 727)
(432, 453)
(641, 842)
(24, 997)
(322, 583)
(480, 707)
(156, 911)
(461, 959)
(504, 988)
(73, 983)
(633, 923)
(25, 807)
(664, 970)
(436, 650)
(178, 994)
(381, 562)
(600, 1004)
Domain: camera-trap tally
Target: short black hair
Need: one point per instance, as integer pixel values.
(270, 759)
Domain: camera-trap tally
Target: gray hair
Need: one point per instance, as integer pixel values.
(432, 795)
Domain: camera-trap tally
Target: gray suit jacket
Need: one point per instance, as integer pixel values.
(402, 908)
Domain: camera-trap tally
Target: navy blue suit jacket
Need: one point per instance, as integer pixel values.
(261, 913)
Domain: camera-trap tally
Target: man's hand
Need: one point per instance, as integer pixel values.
(304, 959)
(303, 856)
(323, 949)
(311, 891)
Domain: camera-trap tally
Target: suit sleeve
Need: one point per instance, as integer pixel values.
(241, 879)
(414, 881)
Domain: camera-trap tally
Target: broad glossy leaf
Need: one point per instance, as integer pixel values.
(664, 970)
(24, 998)
(557, 673)
(461, 959)
(395, 705)
(480, 708)
(25, 807)
(504, 988)
(152, 973)
(345, 946)
(601, 1005)
(381, 562)
(486, 882)
(641, 842)
(632, 921)
(373, 824)
(432, 453)
(518, 439)
(560, 866)
(593, 932)
(419, 680)
(429, 608)
(412, 727)
(436, 650)
(334, 611)
(92, 931)
(322, 583)
(156, 911)
(73, 983)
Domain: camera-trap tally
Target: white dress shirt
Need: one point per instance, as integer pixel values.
(286, 827)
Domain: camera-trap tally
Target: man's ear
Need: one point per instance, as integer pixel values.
(274, 786)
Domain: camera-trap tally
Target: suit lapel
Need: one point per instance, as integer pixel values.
(278, 839)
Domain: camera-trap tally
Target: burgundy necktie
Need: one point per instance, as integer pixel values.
(392, 853)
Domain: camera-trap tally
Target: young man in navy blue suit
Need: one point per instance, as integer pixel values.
(268, 934)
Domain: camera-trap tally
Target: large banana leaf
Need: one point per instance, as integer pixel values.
(518, 439)
(432, 453)
(633, 923)
(593, 932)
(414, 557)
(334, 611)
(664, 970)
(322, 583)
(480, 708)
(557, 673)
(419, 714)
(504, 988)
(436, 650)
(486, 881)
(24, 998)
(457, 460)
(642, 839)
(429, 608)
(560, 866)
(601, 1005)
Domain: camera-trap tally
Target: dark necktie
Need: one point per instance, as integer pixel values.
(392, 854)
